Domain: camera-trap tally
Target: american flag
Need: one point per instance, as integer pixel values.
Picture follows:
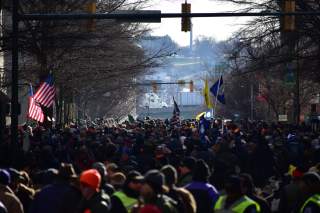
(175, 120)
(46, 92)
(176, 110)
(35, 111)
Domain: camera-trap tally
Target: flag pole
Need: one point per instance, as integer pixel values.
(212, 113)
(30, 94)
(209, 98)
(222, 126)
(211, 109)
(215, 104)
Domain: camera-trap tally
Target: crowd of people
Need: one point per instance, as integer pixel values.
(158, 166)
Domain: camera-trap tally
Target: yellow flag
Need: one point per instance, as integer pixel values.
(206, 95)
(200, 115)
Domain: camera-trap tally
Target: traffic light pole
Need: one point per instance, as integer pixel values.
(143, 17)
(292, 40)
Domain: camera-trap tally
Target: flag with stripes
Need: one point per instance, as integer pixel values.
(175, 120)
(34, 111)
(176, 110)
(46, 92)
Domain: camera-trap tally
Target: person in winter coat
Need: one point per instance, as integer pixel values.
(185, 200)
(235, 200)
(291, 195)
(100, 167)
(124, 200)
(152, 193)
(204, 193)
(311, 188)
(60, 196)
(186, 171)
(249, 190)
(10, 201)
(94, 199)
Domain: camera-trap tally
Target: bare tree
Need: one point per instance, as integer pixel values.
(86, 64)
(261, 46)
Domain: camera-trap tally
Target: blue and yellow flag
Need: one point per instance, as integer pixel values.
(218, 90)
(206, 95)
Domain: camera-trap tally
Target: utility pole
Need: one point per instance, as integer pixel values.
(292, 40)
(297, 83)
(191, 38)
(14, 75)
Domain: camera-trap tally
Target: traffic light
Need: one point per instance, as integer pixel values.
(186, 21)
(91, 7)
(154, 87)
(181, 83)
(191, 86)
(289, 21)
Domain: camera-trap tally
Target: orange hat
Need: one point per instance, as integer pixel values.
(91, 178)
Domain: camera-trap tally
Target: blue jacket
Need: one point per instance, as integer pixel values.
(56, 198)
(205, 195)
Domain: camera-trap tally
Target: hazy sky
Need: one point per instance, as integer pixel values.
(219, 28)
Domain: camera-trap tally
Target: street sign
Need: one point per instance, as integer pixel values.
(155, 19)
(283, 118)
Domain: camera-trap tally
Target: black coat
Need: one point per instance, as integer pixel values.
(99, 203)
